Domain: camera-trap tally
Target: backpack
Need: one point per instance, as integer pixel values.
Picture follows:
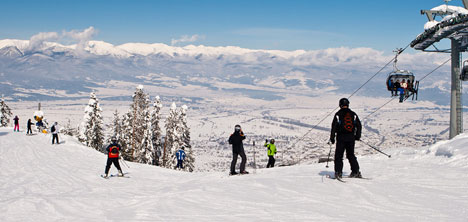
(347, 122)
(52, 129)
(114, 150)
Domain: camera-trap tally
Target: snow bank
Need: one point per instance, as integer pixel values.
(455, 149)
(453, 152)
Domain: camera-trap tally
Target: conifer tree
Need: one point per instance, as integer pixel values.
(91, 132)
(156, 130)
(146, 149)
(136, 125)
(172, 142)
(184, 132)
(126, 136)
(116, 127)
(5, 113)
(69, 130)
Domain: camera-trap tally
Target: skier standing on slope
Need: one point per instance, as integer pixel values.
(16, 119)
(271, 152)
(113, 151)
(237, 149)
(180, 155)
(54, 130)
(347, 127)
(29, 124)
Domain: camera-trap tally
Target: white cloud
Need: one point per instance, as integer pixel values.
(82, 38)
(186, 38)
(37, 40)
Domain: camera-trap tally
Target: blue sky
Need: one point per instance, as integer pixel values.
(284, 25)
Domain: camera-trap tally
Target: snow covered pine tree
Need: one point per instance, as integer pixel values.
(91, 132)
(5, 113)
(171, 141)
(135, 127)
(157, 131)
(184, 132)
(146, 150)
(116, 128)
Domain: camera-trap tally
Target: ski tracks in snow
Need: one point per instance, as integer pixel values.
(41, 181)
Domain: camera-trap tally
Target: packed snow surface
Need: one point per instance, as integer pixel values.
(44, 182)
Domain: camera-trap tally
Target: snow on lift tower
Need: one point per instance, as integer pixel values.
(454, 27)
(400, 75)
(39, 117)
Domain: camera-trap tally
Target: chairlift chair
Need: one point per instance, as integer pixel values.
(400, 75)
(464, 71)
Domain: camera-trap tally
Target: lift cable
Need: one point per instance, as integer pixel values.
(419, 81)
(352, 94)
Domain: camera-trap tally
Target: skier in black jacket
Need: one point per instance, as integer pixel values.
(237, 149)
(347, 127)
(29, 127)
(113, 151)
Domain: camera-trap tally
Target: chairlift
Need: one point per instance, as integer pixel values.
(464, 71)
(398, 75)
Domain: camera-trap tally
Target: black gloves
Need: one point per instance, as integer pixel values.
(332, 140)
(266, 140)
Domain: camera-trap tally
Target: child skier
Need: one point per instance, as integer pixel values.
(180, 158)
(16, 119)
(113, 151)
(271, 152)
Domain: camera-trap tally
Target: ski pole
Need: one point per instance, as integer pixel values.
(376, 149)
(123, 161)
(255, 162)
(328, 159)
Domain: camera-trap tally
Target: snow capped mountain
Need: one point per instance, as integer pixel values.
(80, 68)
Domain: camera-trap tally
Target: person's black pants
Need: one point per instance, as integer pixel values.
(234, 161)
(271, 161)
(29, 130)
(109, 163)
(180, 164)
(341, 147)
(55, 137)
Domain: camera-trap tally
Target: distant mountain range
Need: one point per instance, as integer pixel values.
(29, 71)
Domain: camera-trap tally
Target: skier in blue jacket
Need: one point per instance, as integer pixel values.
(180, 158)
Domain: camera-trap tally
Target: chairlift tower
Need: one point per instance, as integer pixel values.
(455, 29)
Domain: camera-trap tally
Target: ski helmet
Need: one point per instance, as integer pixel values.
(114, 139)
(344, 102)
(237, 127)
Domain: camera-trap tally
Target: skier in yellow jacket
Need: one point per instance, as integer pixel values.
(271, 152)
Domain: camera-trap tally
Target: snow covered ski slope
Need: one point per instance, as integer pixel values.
(44, 182)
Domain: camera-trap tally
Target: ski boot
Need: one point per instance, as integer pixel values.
(121, 174)
(244, 172)
(233, 173)
(355, 175)
(106, 176)
(338, 175)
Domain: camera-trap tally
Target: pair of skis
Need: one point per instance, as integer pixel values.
(344, 181)
(115, 175)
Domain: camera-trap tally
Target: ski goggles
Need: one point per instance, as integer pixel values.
(237, 128)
